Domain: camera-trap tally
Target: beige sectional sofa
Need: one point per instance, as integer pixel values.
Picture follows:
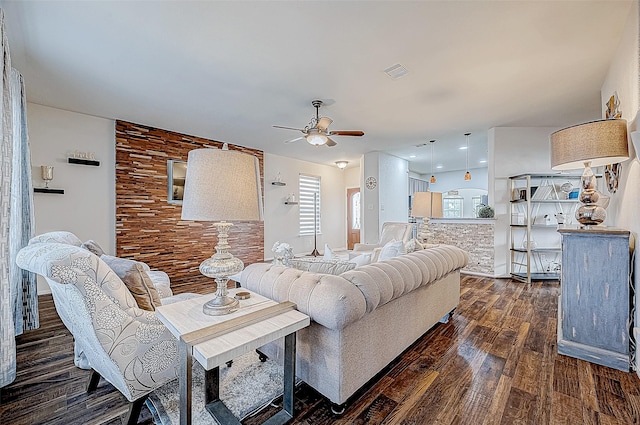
(364, 318)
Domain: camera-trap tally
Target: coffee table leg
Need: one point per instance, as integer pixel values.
(186, 362)
(289, 372)
(212, 385)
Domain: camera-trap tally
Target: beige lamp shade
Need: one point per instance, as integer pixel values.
(222, 185)
(599, 142)
(427, 205)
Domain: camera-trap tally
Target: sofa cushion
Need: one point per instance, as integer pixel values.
(391, 249)
(134, 276)
(361, 260)
(320, 265)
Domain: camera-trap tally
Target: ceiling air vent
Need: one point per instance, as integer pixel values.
(396, 71)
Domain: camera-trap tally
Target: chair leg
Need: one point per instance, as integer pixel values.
(94, 379)
(134, 411)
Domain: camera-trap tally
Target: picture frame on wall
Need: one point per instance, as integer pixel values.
(176, 173)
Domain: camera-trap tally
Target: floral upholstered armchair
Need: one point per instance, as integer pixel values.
(124, 344)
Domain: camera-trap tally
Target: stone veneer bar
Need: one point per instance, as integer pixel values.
(476, 236)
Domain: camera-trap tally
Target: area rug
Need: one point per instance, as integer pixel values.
(245, 387)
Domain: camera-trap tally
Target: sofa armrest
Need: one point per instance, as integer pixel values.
(365, 246)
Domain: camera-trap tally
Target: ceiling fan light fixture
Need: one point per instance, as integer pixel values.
(342, 164)
(317, 139)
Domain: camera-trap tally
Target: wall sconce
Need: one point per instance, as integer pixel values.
(342, 164)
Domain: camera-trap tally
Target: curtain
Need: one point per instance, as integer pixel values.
(18, 290)
(7, 327)
(416, 185)
(24, 284)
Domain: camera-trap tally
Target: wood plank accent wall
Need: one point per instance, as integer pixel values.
(148, 228)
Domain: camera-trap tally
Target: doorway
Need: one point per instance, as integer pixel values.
(353, 217)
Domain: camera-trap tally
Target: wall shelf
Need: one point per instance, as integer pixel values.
(80, 161)
(539, 196)
(47, 190)
(278, 183)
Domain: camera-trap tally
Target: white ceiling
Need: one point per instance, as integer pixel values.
(230, 70)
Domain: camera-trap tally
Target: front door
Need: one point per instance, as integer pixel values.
(353, 217)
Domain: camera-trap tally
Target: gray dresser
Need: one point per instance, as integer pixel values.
(595, 304)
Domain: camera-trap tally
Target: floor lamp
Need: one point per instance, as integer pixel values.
(222, 185)
(315, 252)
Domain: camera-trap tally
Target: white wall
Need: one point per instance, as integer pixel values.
(623, 78)
(512, 151)
(281, 221)
(87, 207)
(370, 199)
(352, 177)
(393, 182)
(389, 201)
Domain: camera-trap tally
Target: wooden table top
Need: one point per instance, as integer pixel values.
(187, 316)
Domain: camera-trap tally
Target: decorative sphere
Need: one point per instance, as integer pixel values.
(589, 196)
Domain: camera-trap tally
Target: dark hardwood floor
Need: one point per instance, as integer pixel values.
(495, 362)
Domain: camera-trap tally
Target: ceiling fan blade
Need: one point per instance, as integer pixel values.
(324, 123)
(293, 140)
(346, 133)
(330, 142)
(288, 128)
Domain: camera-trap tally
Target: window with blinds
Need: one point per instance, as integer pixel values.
(309, 190)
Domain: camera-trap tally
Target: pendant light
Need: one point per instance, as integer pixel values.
(467, 175)
(433, 178)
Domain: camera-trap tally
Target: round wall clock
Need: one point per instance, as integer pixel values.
(371, 183)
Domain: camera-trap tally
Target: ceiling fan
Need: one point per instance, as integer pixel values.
(317, 131)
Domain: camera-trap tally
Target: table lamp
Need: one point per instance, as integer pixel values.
(221, 185)
(426, 205)
(592, 144)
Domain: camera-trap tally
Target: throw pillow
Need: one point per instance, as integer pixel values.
(92, 246)
(391, 249)
(334, 267)
(135, 277)
(328, 253)
(413, 245)
(361, 260)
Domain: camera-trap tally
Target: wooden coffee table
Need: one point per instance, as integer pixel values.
(215, 340)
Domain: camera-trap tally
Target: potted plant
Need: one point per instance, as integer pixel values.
(486, 212)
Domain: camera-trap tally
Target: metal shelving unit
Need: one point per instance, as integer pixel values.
(535, 246)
